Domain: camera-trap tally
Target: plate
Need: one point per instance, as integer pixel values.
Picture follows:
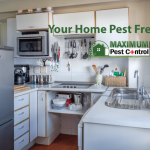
(29, 12)
(48, 11)
(38, 11)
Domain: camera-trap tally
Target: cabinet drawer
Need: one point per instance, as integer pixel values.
(20, 129)
(21, 142)
(21, 101)
(21, 115)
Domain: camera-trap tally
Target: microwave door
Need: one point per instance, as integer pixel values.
(32, 46)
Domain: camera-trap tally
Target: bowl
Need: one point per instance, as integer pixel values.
(59, 101)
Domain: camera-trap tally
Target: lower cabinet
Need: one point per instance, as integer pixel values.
(33, 115)
(42, 115)
(25, 120)
(48, 123)
(21, 142)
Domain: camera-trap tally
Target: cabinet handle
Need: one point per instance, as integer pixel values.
(21, 127)
(21, 99)
(31, 26)
(21, 113)
(21, 141)
(42, 96)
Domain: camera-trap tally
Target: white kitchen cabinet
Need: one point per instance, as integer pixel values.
(21, 142)
(41, 113)
(48, 123)
(86, 19)
(33, 21)
(95, 97)
(21, 101)
(33, 115)
(117, 17)
(11, 34)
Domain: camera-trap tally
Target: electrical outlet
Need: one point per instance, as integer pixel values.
(36, 70)
(44, 69)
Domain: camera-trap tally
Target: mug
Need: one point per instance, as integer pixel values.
(38, 9)
(30, 10)
(20, 11)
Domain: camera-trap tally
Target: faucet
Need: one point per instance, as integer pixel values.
(137, 73)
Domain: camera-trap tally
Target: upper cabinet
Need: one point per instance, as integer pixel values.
(36, 21)
(117, 17)
(86, 19)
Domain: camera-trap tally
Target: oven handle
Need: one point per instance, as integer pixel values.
(29, 38)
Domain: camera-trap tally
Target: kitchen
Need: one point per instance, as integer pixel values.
(68, 73)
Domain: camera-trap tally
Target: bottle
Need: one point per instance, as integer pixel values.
(116, 72)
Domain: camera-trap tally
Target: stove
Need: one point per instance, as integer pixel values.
(78, 86)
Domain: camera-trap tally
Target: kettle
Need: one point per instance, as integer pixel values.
(18, 76)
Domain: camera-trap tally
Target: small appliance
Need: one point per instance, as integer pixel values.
(21, 74)
(33, 43)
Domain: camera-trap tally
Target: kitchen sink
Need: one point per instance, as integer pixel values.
(127, 98)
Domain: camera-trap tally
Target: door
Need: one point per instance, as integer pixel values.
(7, 136)
(33, 115)
(117, 17)
(6, 85)
(42, 113)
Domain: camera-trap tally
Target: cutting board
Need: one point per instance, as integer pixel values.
(20, 88)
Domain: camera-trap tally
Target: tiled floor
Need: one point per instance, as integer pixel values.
(62, 142)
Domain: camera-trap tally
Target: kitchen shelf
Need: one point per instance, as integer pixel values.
(67, 111)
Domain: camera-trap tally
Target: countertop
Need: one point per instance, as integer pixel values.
(102, 114)
(93, 88)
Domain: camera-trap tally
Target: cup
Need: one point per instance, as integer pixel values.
(30, 10)
(49, 8)
(38, 9)
(20, 11)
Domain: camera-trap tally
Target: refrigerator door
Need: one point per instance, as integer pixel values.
(6, 85)
(7, 136)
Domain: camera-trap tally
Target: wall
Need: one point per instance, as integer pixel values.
(3, 33)
(81, 69)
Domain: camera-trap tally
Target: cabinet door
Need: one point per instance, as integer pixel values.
(95, 97)
(86, 19)
(33, 115)
(117, 17)
(42, 113)
(32, 21)
(11, 34)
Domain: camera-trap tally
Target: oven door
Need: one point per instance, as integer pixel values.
(32, 46)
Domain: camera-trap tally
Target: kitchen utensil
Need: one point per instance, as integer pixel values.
(18, 76)
(125, 72)
(102, 69)
(59, 101)
(74, 47)
(94, 67)
(85, 43)
(75, 107)
(81, 48)
(41, 79)
(49, 78)
(18, 79)
(78, 98)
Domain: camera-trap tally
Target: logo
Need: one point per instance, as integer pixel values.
(120, 48)
(98, 49)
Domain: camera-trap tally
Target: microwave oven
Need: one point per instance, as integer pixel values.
(33, 43)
